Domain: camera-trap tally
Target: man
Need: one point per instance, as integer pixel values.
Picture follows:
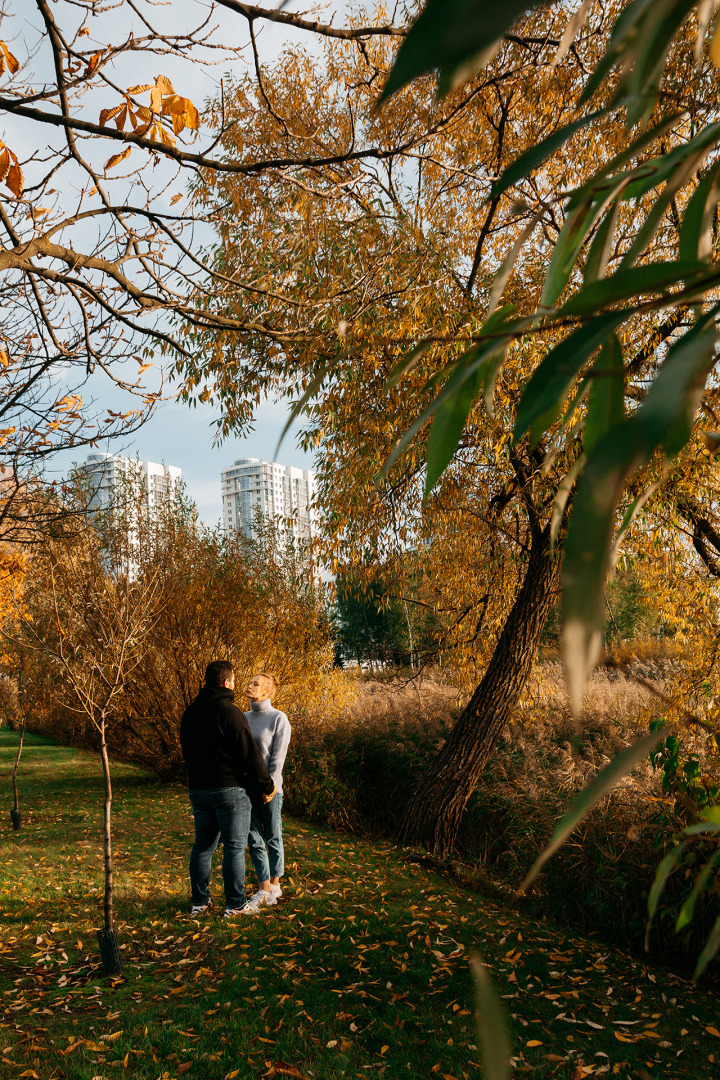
(225, 768)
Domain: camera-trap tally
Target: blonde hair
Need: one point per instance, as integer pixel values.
(272, 683)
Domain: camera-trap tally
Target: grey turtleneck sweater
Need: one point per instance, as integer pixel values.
(271, 731)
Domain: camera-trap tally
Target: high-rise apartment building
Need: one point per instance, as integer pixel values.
(279, 492)
(107, 472)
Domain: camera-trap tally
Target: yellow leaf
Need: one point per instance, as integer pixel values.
(140, 89)
(165, 136)
(384, 1049)
(12, 63)
(534, 1042)
(231, 1075)
(175, 198)
(107, 114)
(93, 61)
(164, 84)
(143, 367)
(713, 1031)
(15, 180)
(117, 158)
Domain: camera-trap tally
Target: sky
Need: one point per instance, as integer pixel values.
(177, 434)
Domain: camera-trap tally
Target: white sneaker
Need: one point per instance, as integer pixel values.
(199, 909)
(258, 900)
(276, 891)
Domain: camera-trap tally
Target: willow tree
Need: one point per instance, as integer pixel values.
(407, 279)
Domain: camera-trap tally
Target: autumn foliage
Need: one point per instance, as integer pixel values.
(207, 596)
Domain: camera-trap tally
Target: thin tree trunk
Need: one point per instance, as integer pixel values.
(433, 815)
(16, 815)
(107, 831)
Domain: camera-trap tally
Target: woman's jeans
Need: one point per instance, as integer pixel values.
(266, 829)
(221, 814)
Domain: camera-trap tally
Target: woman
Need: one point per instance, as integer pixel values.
(271, 731)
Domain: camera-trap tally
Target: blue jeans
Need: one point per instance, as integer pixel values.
(221, 814)
(266, 828)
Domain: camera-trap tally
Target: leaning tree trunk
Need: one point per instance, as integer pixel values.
(109, 949)
(15, 814)
(432, 816)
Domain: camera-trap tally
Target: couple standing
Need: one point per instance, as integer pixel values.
(234, 764)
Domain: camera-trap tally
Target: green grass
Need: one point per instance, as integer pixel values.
(361, 970)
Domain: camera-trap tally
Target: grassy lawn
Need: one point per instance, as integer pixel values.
(361, 970)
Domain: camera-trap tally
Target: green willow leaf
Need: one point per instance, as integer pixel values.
(455, 38)
(660, 24)
(620, 45)
(607, 394)
(537, 155)
(601, 246)
(553, 378)
(654, 172)
(663, 202)
(687, 911)
(583, 803)
(709, 949)
(664, 420)
(697, 223)
(499, 328)
(632, 283)
(662, 873)
(578, 223)
(448, 423)
(493, 1028)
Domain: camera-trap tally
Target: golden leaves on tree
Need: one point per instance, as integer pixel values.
(117, 158)
(7, 60)
(148, 122)
(10, 172)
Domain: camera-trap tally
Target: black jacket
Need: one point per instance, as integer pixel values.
(217, 746)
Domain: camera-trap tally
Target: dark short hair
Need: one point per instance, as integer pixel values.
(217, 672)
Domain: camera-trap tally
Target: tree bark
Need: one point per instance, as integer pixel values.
(107, 832)
(432, 817)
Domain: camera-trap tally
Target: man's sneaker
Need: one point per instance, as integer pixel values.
(231, 912)
(199, 909)
(276, 891)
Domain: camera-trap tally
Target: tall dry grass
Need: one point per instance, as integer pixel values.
(358, 771)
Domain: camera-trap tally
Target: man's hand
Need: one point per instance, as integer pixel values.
(271, 796)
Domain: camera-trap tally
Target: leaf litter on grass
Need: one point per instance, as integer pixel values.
(362, 969)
